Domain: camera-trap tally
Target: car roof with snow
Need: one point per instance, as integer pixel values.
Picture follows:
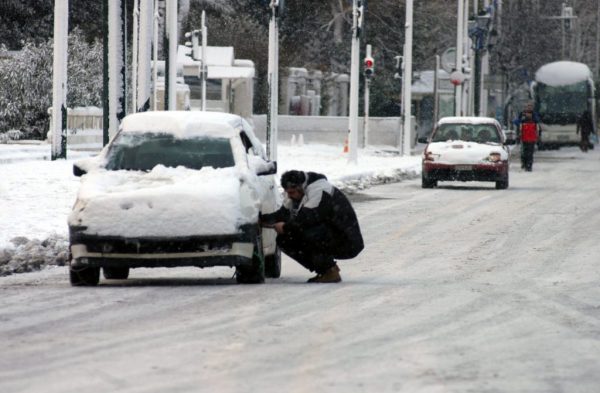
(183, 124)
(468, 120)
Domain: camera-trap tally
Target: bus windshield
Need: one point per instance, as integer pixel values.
(561, 104)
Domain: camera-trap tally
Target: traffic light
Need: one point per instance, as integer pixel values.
(194, 43)
(369, 65)
(399, 67)
(567, 16)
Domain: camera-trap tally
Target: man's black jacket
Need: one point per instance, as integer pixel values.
(322, 204)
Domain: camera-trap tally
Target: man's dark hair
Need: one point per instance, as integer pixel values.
(291, 179)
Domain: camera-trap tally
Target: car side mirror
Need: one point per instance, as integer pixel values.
(86, 165)
(271, 169)
(423, 140)
(78, 171)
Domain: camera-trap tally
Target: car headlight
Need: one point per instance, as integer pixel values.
(494, 157)
(429, 156)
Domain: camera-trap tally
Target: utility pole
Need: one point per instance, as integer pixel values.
(144, 66)
(566, 18)
(436, 90)
(459, 57)
(407, 80)
(134, 55)
(115, 85)
(59, 80)
(155, 57)
(171, 57)
(204, 70)
(357, 18)
(368, 71)
(598, 42)
(273, 79)
(105, 76)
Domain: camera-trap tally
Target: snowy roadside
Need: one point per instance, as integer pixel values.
(36, 195)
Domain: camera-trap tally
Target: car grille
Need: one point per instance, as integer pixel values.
(153, 246)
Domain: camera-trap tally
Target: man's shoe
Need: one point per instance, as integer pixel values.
(331, 275)
(314, 279)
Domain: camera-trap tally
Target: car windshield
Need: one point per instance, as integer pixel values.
(142, 152)
(480, 133)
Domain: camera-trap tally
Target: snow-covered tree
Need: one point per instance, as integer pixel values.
(26, 83)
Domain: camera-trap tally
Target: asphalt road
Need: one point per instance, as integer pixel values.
(462, 288)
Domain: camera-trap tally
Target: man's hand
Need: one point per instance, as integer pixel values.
(278, 226)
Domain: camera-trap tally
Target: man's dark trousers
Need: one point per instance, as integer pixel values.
(528, 149)
(310, 247)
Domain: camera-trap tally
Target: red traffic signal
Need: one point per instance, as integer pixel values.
(369, 65)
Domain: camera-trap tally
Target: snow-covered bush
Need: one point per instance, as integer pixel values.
(11, 135)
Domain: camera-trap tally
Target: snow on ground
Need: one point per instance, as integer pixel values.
(36, 195)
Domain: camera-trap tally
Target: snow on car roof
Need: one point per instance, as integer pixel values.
(183, 124)
(561, 73)
(467, 120)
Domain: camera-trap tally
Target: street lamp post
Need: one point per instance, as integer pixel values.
(479, 32)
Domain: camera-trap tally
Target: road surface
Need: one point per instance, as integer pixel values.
(462, 288)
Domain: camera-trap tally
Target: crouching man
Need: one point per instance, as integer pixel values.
(315, 225)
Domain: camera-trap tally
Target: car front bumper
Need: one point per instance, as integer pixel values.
(468, 172)
(201, 251)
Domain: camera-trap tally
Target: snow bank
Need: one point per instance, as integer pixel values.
(27, 255)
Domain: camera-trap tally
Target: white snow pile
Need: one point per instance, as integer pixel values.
(36, 196)
(27, 255)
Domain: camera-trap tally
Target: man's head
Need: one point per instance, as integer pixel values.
(293, 184)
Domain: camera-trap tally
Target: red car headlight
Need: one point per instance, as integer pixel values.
(429, 156)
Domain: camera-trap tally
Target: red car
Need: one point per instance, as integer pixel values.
(466, 149)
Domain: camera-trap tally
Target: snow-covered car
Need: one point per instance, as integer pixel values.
(466, 149)
(175, 189)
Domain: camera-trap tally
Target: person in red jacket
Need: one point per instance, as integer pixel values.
(529, 129)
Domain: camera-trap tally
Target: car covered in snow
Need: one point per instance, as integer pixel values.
(466, 149)
(175, 189)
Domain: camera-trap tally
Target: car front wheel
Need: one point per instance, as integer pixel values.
(84, 276)
(427, 183)
(255, 273)
(502, 184)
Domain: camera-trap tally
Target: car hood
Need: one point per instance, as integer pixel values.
(460, 152)
(165, 202)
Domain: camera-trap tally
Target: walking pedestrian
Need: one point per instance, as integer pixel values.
(315, 225)
(528, 108)
(585, 125)
(529, 131)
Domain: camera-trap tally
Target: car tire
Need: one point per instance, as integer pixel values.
(255, 273)
(428, 183)
(502, 184)
(273, 264)
(115, 273)
(84, 276)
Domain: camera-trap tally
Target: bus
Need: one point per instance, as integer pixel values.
(561, 92)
